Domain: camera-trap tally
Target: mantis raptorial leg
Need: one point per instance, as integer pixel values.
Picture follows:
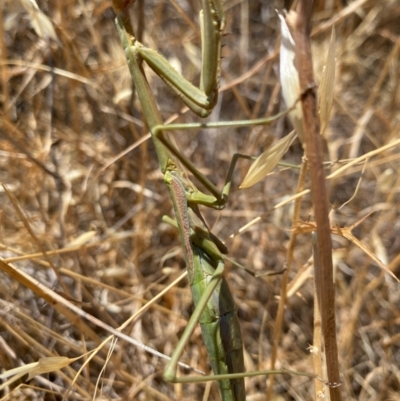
(201, 100)
(203, 251)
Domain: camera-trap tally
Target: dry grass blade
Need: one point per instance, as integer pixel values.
(74, 313)
(82, 240)
(346, 232)
(290, 78)
(267, 161)
(325, 92)
(343, 171)
(44, 365)
(41, 23)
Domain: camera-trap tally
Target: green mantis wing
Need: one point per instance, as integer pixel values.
(220, 326)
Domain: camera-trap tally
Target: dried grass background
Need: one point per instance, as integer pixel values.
(67, 113)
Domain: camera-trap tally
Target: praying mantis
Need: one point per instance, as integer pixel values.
(214, 305)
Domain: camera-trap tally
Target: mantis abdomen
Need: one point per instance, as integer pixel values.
(220, 326)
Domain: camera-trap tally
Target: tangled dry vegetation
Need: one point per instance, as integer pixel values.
(81, 215)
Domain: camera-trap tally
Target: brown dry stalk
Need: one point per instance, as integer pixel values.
(301, 25)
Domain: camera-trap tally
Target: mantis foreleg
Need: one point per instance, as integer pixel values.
(201, 100)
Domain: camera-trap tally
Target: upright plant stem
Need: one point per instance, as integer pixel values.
(301, 29)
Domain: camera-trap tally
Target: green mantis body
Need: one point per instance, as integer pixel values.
(215, 308)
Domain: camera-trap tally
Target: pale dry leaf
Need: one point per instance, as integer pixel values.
(325, 92)
(20, 371)
(50, 364)
(267, 161)
(83, 239)
(12, 379)
(379, 248)
(290, 78)
(348, 235)
(346, 232)
(44, 365)
(40, 22)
